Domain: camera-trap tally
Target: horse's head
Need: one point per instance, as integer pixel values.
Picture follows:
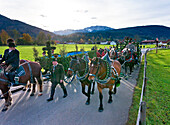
(94, 67)
(112, 53)
(124, 51)
(74, 66)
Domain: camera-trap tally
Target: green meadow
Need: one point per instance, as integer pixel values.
(26, 52)
(157, 95)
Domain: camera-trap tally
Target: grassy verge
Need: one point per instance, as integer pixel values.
(158, 88)
(26, 52)
(157, 96)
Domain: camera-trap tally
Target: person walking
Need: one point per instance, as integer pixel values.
(57, 77)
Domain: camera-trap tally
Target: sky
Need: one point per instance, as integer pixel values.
(54, 15)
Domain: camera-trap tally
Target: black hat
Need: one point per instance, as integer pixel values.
(12, 45)
(10, 40)
(55, 55)
(54, 59)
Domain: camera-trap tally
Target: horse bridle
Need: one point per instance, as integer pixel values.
(70, 69)
(90, 74)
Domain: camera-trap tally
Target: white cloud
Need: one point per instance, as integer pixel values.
(77, 14)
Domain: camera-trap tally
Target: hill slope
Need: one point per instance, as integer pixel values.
(9, 24)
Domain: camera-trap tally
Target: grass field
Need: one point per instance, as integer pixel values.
(148, 46)
(157, 96)
(26, 52)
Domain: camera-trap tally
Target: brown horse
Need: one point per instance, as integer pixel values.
(105, 76)
(128, 60)
(32, 71)
(82, 67)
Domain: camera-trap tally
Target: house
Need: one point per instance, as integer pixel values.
(112, 43)
(57, 42)
(148, 42)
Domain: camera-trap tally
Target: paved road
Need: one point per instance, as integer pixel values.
(71, 110)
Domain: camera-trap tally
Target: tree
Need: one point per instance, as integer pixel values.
(14, 34)
(41, 38)
(48, 37)
(82, 41)
(0, 41)
(27, 38)
(137, 37)
(4, 36)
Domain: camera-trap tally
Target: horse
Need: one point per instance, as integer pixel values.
(128, 59)
(106, 75)
(113, 54)
(81, 66)
(27, 71)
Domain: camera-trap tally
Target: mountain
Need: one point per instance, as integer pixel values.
(138, 32)
(85, 30)
(9, 24)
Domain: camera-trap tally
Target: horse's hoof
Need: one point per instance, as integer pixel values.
(40, 94)
(126, 78)
(87, 103)
(92, 93)
(32, 94)
(28, 90)
(110, 101)
(100, 109)
(4, 109)
(24, 90)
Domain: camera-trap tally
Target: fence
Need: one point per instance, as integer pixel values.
(141, 119)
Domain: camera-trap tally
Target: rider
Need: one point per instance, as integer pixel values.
(11, 58)
(130, 46)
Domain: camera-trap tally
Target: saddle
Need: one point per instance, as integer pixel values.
(13, 76)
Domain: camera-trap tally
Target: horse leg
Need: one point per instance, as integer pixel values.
(40, 85)
(88, 97)
(126, 71)
(114, 90)
(110, 94)
(24, 89)
(92, 92)
(83, 89)
(29, 87)
(101, 99)
(8, 100)
(131, 66)
(34, 85)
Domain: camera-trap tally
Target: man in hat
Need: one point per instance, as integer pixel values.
(57, 77)
(11, 58)
(131, 46)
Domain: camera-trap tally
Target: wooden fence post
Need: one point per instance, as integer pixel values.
(143, 113)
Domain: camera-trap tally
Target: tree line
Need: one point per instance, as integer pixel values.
(25, 38)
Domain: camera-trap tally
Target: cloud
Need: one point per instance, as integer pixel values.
(94, 18)
(82, 11)
(43, 15)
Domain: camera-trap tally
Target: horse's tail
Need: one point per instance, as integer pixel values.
(41, 77)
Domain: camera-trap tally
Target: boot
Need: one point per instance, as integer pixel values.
(52, 94)
(11, 76)
(50, 99)
(65, 92)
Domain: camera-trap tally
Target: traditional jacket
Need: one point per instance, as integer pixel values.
(131, 47)
(11, 58)
(57, 73)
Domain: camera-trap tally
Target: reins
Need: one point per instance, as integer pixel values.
(108, 77)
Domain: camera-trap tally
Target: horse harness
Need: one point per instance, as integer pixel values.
(108, 77)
